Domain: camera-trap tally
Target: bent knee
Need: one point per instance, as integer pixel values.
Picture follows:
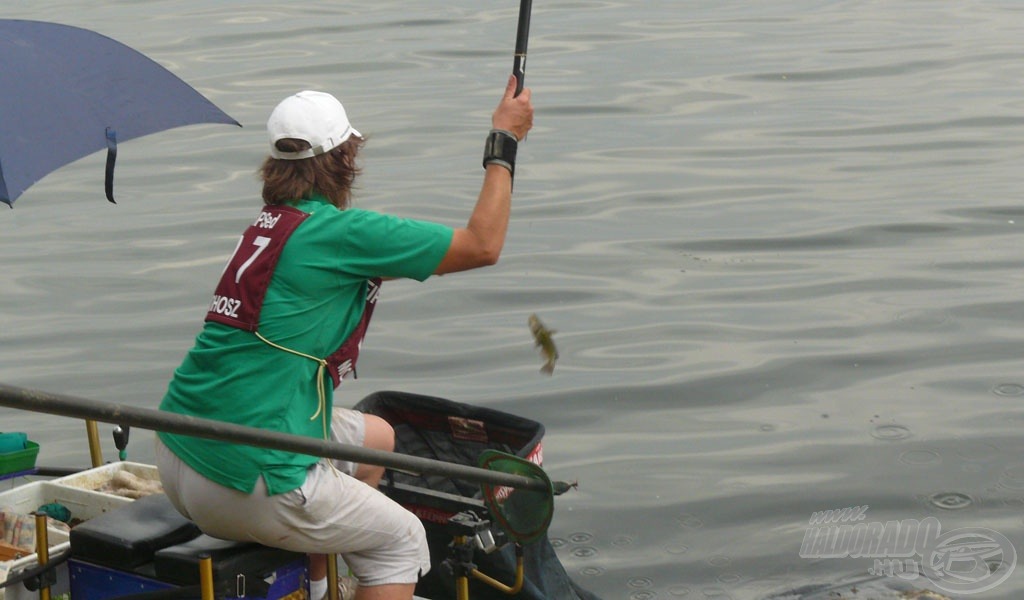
(402, 561)
(379, 434)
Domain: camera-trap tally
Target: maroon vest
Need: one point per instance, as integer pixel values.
(238, 299)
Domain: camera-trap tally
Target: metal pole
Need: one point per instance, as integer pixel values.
(42, 552)
(332, 577)
(157, 420)
(92, 431)
(206, 577)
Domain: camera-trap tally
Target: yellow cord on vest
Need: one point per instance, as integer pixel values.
(320, 391)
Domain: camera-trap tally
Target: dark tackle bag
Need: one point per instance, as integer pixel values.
(455, 432)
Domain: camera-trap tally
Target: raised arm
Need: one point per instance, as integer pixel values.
(479, 243)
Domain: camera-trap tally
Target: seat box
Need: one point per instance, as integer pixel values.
(148, 546)
(96, 582)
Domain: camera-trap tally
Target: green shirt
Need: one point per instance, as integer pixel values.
(315, 300)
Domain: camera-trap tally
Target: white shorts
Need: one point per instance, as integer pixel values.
(331, 513)
(347, 427)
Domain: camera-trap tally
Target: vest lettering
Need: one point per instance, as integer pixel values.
(225, 306)
(266, 220)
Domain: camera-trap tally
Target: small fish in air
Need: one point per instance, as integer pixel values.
(542, 338)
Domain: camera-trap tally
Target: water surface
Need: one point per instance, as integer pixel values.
(779, 242)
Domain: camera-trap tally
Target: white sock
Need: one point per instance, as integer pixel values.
(317, 589)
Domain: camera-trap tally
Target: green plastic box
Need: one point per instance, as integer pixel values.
(19, 460)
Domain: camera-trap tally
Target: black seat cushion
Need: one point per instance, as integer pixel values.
(180, 563)
(128, 536)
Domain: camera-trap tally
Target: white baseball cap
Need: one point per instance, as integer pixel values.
(315, 117)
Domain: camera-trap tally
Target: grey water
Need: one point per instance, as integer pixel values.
(780, 243)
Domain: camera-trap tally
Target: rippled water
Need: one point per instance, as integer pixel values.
(779, 242)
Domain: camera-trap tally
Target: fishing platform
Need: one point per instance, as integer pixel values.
(486, 541)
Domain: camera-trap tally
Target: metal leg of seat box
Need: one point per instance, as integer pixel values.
(42, 552)
(332, 578)
(92, 432)
(471, 533)
(206, 577)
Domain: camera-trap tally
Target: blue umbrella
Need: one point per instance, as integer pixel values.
(67, 92)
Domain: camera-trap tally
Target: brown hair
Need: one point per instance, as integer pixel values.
(330, 174)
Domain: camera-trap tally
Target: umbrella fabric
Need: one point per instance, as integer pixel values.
(66, 92)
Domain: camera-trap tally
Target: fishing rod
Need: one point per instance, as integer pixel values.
(157, 420)
(522, 38)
